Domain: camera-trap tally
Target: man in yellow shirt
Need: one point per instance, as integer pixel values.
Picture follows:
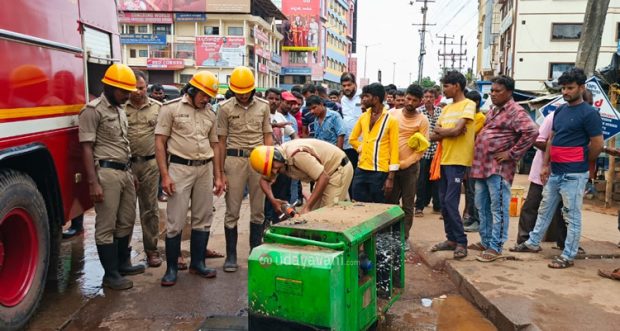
(455, 129)
(378, 151)
(410, 122)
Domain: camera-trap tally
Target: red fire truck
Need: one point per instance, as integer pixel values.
(53, 54)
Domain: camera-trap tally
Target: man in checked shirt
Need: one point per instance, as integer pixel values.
(505, 138)
(427, 189)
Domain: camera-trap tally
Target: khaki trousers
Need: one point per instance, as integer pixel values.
(239, 174)
(403, 192)
(116, 214)
(195, 185)
(147, 175)
(338, 187)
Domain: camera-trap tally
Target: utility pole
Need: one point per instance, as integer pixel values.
(591, 33)
(453, 57)
(461, 44)
(444, 54)
(422, 38)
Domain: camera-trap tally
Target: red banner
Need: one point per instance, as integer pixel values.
(216, 51)
(164, 64)
(301, 31)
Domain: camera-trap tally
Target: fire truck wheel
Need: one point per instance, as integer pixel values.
(24, 248)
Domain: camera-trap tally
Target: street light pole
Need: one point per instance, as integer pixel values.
(366, 56)
(394, 74)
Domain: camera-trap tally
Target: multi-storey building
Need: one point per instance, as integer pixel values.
(171, 42)
(536, 40)
(319, 40)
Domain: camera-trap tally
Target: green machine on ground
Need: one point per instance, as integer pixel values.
(336, 268)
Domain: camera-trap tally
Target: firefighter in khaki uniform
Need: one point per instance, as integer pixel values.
(243, 123)
(307, 160)
(106, 153)
(186, 135)
(142, 114)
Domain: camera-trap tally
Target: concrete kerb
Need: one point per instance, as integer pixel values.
(481, 293)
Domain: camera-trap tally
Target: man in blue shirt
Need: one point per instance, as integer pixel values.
(328, 125)
(576, 139)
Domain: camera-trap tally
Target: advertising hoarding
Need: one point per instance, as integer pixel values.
(163, 5)
(609, 115)
(217, 51)
(301, 31)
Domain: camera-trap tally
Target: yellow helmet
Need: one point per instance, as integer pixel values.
(206, 82)
(418, 142)
(121, 76)
(262, 157)
(242, 80)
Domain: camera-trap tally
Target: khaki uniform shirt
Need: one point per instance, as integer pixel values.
(304, 166)
(106, 127)
(190, 130)
(142, 123)
(244, 126)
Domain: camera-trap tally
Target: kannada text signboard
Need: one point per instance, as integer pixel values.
(217, 51)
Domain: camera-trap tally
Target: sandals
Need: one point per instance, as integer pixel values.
(211, 254)
(560, 263)
(477, 247)
(181, 264)
(489, 255)
(460, 252)
(418, 213)
(613, 275)
(444, 246)
(523, 248)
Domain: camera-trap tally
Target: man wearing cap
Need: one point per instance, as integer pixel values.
(106, 153)
(243, 123)
(306, 160)
(186, 137)
(142, 114)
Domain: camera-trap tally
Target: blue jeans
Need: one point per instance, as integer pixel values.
(570, 189)
(294, 190)
(493, 202)
(450, 196)
(368, 186)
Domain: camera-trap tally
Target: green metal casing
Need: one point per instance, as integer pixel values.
(308, 271)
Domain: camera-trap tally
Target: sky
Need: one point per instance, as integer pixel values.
(386, 26)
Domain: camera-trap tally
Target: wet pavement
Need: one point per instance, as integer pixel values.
(76, 301)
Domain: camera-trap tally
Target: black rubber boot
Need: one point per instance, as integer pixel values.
(108, 256)
(124, 258)
(197, 246)
(256, 235)
(230, 265)
(173, 250)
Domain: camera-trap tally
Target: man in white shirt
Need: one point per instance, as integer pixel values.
(351, 103)
(281, 126)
